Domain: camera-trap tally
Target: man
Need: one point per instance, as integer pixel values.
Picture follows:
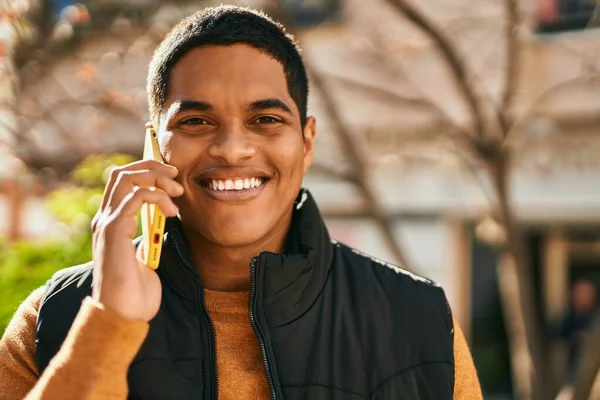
(577, 322)
(252, 299)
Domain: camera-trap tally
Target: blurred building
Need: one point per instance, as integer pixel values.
(395, 95)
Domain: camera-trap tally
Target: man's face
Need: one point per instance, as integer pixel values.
(584, 297)
(233, 131)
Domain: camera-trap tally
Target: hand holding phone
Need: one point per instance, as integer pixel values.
(125, 282)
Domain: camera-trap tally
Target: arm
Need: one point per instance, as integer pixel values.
(466, 382)
(18, 369)
(91, 364)
(112, 324)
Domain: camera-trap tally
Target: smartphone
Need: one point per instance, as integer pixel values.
(153, 220)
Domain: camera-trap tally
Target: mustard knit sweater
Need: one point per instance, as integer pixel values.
(93, 362)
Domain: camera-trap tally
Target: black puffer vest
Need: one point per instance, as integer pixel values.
(331, 322)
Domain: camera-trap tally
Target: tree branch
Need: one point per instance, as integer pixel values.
(359, 163)
(328, 171)
(545, 96)
(421, 102)
(511, 77)
(462, 77)
(29, 150)
(46, 51)
(104, 102)
(473, 172)
(379, 92)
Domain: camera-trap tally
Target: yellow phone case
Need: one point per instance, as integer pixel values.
(153, 220)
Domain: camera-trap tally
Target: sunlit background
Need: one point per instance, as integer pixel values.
(457, 138)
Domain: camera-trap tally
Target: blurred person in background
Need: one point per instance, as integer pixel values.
(252, 299)
(577, 322)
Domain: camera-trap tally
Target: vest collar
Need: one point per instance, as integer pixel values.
(289, 282)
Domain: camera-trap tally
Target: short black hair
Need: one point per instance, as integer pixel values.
(226, 25)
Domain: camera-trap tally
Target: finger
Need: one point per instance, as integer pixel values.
(95, 221)
(134, 166)
(132, 203)
(129, 180)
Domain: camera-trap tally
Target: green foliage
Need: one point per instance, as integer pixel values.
(27, 265)
(93, 171)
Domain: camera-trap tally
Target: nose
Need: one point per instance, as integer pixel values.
(231, 145)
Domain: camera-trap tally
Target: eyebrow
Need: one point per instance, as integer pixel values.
(185, 105)
(195, 105)
(269, 104)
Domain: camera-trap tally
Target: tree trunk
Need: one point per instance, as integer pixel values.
(525, 325)
(521, 365)
(16, 200)
(358, 160)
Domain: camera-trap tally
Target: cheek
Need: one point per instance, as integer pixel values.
(167, 144)
(178, 153)
(290, 158)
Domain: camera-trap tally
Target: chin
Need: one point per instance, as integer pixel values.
(234, 226)
(235, 230)
(235, 240)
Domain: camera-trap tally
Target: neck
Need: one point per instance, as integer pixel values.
(227, 269)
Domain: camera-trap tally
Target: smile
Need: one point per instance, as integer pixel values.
(234, 189)
(233, 184)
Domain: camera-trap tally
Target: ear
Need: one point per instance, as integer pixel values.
(310, 131)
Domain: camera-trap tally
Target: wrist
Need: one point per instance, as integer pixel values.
(117, 307)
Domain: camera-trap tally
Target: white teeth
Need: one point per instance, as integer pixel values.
(237, 184)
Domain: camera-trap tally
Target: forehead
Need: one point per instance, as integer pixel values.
(214, 73)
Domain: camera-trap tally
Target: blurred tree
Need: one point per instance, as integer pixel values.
(488, 140)
(43, 34)
(25, 265)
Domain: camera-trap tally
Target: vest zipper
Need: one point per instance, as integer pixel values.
(198, 279)
(257, 329)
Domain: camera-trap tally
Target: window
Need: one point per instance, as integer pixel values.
(307, 13)
(555, 16)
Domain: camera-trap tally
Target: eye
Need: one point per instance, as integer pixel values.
(194, 121)
(265, 119)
